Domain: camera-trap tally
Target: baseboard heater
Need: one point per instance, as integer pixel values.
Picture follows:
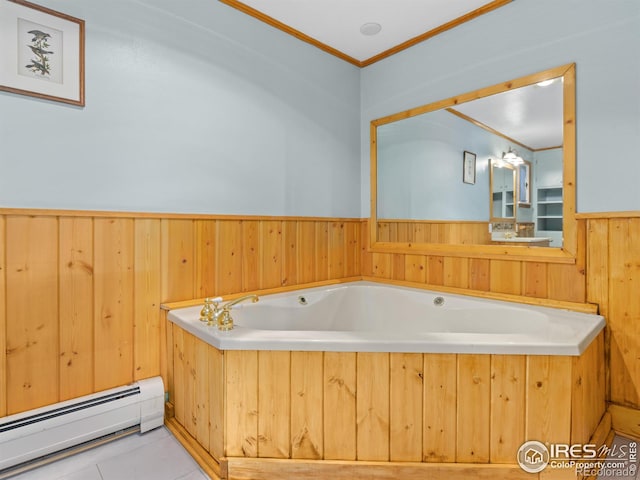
(44, 431)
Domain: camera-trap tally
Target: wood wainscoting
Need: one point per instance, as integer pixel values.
(606, 273)
(425, 231)
(448, 416)
(80, 292)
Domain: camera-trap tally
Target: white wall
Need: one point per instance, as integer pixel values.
(191, 106)
(195, 107)
(420, 168)
(603, 39)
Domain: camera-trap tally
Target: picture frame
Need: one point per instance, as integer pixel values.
(42, 52)
(524, 184)
(469, 167)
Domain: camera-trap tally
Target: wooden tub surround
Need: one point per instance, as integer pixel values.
(343, 415)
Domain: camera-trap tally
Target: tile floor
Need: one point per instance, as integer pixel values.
(155, 455)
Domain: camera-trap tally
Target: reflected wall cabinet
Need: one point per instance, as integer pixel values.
(549, 213)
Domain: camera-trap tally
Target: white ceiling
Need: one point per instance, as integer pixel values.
(531, 116)
(336, 23)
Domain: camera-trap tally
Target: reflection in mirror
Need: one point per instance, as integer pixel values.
(503, 187)
(419, 195)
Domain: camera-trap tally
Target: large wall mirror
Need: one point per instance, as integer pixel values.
(489, 173)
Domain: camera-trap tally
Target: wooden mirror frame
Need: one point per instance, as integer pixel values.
(566, 254)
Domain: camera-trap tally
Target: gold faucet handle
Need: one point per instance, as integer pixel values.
(225, 321)
(210, 308)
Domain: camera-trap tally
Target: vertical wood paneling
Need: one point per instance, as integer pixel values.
(406, 407)
(353, 247)
(398, 266)
(274, 404)
(506, 276)
(189, 365)
(251, 262)
(32, 312)
(588, 391)
(439, 417)
(113, 304)
(598, 285)
(447, 396)
(566, 282)
(201, 391)
(535, 279)
(372, 406)
(241, 419)
(167, 356)
(270, 254)
(178, 260)
(340, 406)
(306, 251)
(147, 288)
(215, 382)
(479, 274)
(337, 250)
(384, 234)
(415, 268)
(322, 251)
(179, 380)
(508, 406)
(76, 307)
(113, 246)
(205, 258)
(382, 265)
(229, 259)
(307, 405)
(548, 392)
(598, 263)
(435, 270)
(415, 231)
(474, 402)
(456, 272)
(624, 310)
(366, 257)
(289, 252)
(3, 321)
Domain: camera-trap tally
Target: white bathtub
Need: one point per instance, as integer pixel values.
(371, 317)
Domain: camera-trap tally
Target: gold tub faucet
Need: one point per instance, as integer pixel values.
(211, 310)
(213, 313)
(225, 322)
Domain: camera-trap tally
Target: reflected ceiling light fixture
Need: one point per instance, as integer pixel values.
(370, 28)
(546, 83)
(512, 157)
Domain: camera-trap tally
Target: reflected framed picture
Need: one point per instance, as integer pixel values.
(41, 52)
(469, 167)
(524, 184)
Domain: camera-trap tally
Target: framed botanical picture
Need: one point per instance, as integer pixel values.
(469, 167)
(41, 52)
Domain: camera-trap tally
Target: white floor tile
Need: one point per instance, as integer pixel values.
(197, 475)
(89, 473)
(164, 459)
(155, 454)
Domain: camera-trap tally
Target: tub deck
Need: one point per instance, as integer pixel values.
(369, 317)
